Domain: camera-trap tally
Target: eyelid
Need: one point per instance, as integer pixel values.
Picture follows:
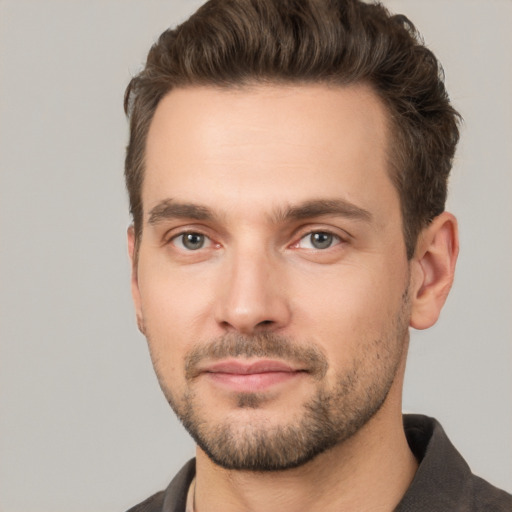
(335, 239)
(174, 233)
(308, 230)
(208, 242)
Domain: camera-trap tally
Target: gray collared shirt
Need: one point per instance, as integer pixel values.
(443, 482)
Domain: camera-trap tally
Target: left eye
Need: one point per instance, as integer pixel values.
(318, 240)
(191, 241)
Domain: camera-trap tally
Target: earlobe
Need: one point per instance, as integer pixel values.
(432, 270)
(132, 252)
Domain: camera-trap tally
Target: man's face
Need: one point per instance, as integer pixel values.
(272, 276)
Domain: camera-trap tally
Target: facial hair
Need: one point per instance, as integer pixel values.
(332, 415)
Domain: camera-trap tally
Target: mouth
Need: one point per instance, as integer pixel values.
(251, 376)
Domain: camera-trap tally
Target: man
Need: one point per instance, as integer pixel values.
(287, 170)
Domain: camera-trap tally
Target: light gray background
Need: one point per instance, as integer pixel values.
(83, 424)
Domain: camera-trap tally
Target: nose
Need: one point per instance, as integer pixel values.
(252, 295)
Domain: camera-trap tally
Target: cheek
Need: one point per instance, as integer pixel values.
(175, 307)
(170, 299)
(350, 308)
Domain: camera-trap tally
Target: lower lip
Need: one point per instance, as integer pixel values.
(253, 382)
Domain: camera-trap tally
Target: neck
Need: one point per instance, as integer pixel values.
(370, 471)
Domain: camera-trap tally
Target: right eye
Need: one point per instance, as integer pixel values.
(191, 241)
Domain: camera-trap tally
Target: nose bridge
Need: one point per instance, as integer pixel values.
(251, 296)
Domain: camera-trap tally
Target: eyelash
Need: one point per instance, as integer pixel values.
(332, 239)
(181, 236)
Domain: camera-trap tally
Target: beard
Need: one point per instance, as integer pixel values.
(332, 415)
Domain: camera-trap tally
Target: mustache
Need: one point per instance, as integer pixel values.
(269, 345)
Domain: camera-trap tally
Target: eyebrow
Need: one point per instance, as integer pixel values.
(321, 207)
(169, 209)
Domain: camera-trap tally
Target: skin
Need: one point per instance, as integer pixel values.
(247, 157)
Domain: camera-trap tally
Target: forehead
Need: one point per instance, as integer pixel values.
(267, 143)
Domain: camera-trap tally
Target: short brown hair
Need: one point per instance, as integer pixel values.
(338, 42)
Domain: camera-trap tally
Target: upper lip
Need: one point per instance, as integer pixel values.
(241, 367)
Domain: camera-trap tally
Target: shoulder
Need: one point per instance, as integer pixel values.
(152, 504)
(486, 497)
(444, 480)
(174, 498)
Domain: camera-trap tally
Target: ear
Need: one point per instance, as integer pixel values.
(432, 269)
(132, 248)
